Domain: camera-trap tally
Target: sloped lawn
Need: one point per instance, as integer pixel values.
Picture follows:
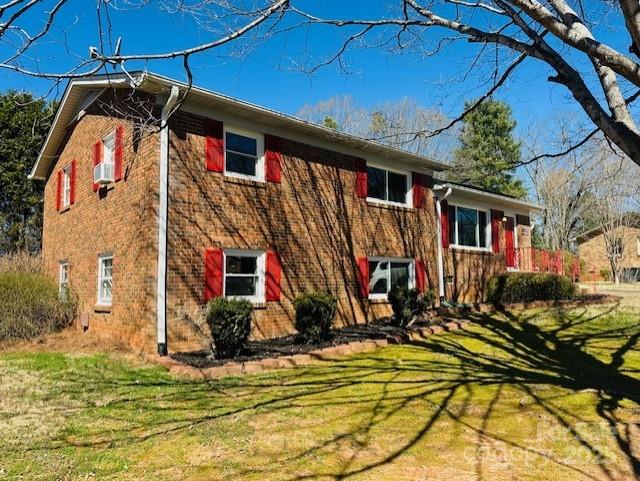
(545, 395)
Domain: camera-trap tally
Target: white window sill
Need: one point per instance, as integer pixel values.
(251, 178)
(485, 250)
(102, 308)
(387, 203)
(256, 301)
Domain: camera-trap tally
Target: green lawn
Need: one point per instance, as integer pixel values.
(540, 396)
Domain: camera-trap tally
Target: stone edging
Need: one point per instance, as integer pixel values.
(314, 357)
(488, 308)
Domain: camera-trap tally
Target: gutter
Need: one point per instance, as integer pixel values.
(447, 193)
(163, 206)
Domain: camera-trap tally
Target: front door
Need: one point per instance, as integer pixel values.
(510, 241)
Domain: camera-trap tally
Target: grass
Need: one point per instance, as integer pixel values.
(548, 395)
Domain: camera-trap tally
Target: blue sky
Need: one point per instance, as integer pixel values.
(267, 74)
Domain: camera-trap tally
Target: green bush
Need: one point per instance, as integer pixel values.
(314, 315)
(606, 274)
(529, 286)
(30, 306)
(408, 303)
(230, 323)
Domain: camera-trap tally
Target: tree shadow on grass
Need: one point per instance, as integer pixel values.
(455, 389)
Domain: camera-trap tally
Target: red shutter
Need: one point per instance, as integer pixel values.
(273, 157)
(72, 183)
(363, 277)
(97, 158)
(59, 191)
(214, 146)
(421, 277)
(213, 273)
(496, 217)
(119, 152)
(418, 190)
(444, 223)
(361, 178)
(274, 273)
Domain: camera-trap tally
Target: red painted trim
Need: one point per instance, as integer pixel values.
(214, 146)
(421, 277)
(361, 178)
(444, 223)
(274, 274)
(97, 158)
(417, 181)
(273, 158)
(213, 273)
(363, 277)
(119, 152)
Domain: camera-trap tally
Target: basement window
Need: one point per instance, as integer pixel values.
(244, 275)
(63, 281)
(386, 273)
(105, 279)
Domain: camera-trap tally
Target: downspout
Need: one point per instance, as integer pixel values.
(163, 205)
(447, 193)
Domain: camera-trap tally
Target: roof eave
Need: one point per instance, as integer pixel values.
(497, 197)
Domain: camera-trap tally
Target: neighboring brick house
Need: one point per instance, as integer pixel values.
(146, 223)
(593, 254)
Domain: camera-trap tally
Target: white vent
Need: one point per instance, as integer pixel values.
(103, 173)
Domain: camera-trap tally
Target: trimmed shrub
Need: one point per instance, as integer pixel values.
(529, 286)
(230, 323)
(606, 274)
(30, 305)
(314, 315)
(408, 303)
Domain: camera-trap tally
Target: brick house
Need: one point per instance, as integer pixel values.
(592, 251)
(145, 223)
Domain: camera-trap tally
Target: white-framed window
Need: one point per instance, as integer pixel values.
(244, 274)
(387, 272)
(469, 227)
(388, 186)
(243, 154)
(63, 281)
(109, 148)
(105, 279)
(66, 186)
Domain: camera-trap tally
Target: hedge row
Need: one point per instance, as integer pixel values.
(529, 286)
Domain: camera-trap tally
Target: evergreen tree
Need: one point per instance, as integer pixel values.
(489, 153)
(330, 123)
(24, 122)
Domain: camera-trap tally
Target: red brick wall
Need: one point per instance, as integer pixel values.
(119, 219)
(313, 219)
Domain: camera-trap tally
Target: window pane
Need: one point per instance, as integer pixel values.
(242, 144)
(397, 187)
(376, 183)
(240, 286)
(241, 164)
(482, 228)
(467, 221)
(242, 265)
(378, 275)
(400, 274)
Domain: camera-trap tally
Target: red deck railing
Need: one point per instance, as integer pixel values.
(530, 259)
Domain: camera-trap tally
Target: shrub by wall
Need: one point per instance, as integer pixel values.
(408, 303)
(529, 286)
(314, 315)
(230, 323)
(29, 301)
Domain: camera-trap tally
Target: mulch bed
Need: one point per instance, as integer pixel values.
(290, 345)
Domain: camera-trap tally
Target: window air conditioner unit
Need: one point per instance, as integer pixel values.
(103, 173)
